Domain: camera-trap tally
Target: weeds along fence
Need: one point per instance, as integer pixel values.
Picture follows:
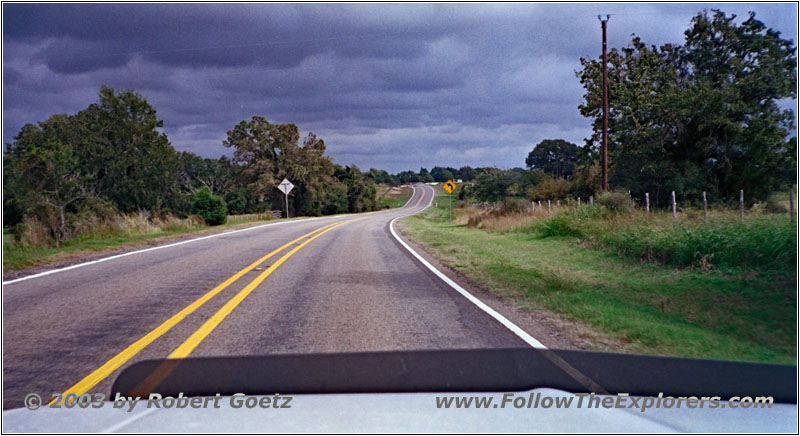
(615, 200)
(704, 237)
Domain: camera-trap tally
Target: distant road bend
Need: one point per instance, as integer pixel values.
(331, 284)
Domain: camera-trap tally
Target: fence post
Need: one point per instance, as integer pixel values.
(791, 202)
(558, 202)
(741, 204)
(533, 206)
(647, 202)
(548, 206)
(579, 202)
(674, 206)
(540, 204)
(705, 206)
(591, 200)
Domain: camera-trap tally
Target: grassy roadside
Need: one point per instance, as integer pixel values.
(16, 257)
(390, 197)
(720, 314)
(141, 232)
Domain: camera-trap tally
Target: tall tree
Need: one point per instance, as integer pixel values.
(108, 156)
(555, 157)
(44, 179)
(440, 174)
(698, 117)
(132, 163)
(269, 152)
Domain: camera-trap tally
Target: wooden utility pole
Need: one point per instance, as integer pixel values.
(605, 103)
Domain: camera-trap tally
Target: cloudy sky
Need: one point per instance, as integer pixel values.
(393, 86)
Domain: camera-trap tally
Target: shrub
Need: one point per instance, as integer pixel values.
(512, 205)
(211, 207)
(550, 188)
(616, 201)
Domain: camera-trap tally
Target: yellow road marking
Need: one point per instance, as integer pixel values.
(115, 362)
(194, 340)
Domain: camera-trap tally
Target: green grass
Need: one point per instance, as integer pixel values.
(645, 307)
(16, 257)
(764, 242)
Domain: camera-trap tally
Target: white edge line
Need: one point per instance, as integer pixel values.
(409, 198)
(130, 253)
(530, 340)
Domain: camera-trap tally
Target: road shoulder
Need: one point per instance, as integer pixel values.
(550, 329)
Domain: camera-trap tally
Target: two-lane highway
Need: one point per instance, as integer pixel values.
(331, 284)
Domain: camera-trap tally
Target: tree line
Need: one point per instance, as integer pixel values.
(436, 174)
(111, 158)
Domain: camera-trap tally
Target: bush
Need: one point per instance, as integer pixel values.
(616, 201)
(550, 188)
(211, 207)
(513, 206)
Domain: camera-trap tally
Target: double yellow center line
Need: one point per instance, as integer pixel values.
(194, 340)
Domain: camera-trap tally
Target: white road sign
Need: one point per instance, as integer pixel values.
(286, 186)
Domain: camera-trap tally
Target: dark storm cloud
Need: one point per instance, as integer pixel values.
(392, 85)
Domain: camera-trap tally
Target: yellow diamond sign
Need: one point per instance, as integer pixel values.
(449, 186)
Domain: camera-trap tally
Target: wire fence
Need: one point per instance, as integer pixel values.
(551, 205)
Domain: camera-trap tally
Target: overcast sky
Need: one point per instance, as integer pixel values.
(392, 86)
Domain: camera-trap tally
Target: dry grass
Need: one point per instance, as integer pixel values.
(33, 245)
(34, 233)
(392, 196)
(497, 220)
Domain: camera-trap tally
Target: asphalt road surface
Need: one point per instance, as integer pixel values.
(348, 287)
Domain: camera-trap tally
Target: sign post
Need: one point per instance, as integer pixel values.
(449, 186)
(286, 187)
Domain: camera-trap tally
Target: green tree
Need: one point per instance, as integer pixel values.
(381, 176)
(494, 185)
(269, 152)
(107, 156)
(554, 156)
(408, 177)
(360, 189)
(467, 173)
(132, 164)
(237, 201)
(43, 179)
(440, 174)
(425, 176)
(698, 117)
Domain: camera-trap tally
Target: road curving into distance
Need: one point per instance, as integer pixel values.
(332, 284)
